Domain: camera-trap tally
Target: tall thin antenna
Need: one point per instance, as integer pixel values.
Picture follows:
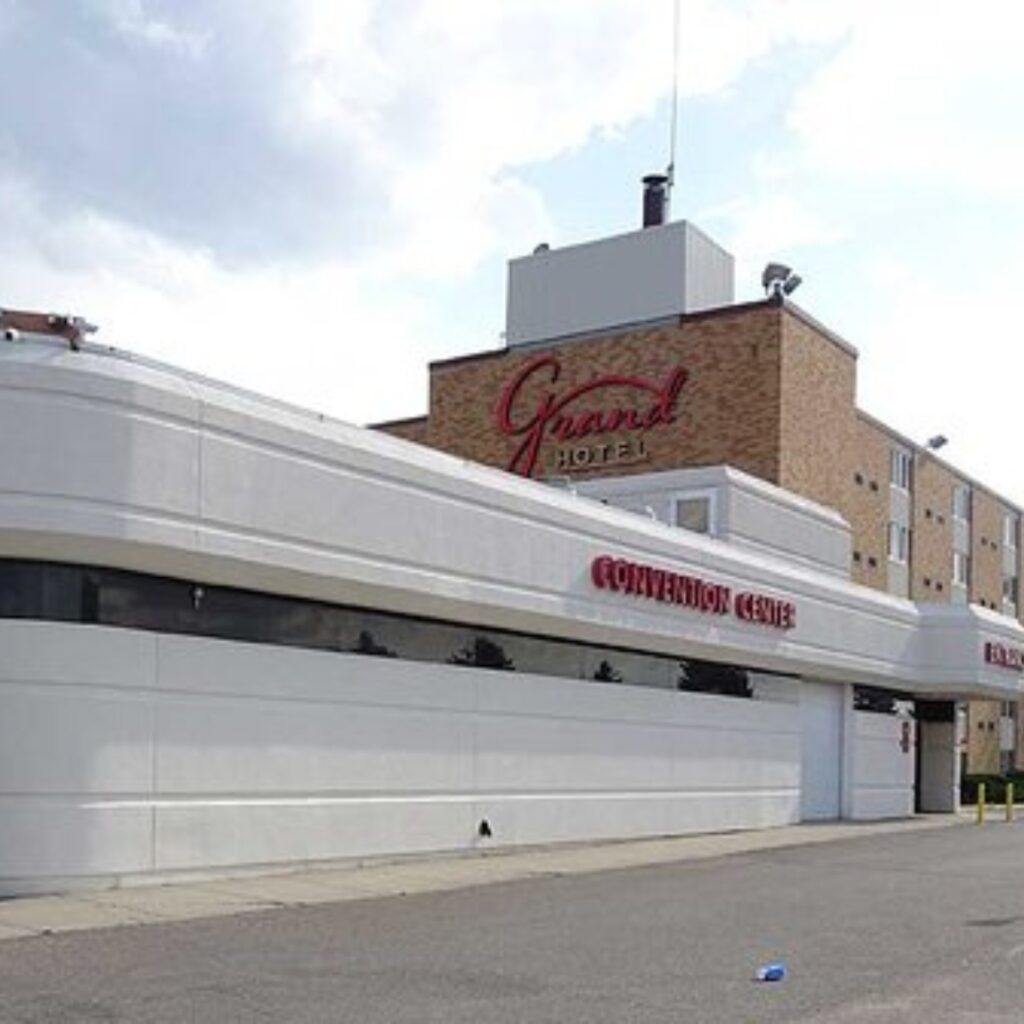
(675, 99)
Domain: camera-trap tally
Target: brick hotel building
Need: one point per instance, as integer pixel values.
(647, 322)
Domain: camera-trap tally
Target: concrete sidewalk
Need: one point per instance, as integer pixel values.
(182, 901)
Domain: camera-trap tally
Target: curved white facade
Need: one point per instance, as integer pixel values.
(126, 753)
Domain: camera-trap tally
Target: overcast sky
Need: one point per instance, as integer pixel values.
(313, 198)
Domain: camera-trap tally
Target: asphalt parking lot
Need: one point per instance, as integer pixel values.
(897, 927)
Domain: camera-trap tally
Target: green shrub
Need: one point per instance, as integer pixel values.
(995, 788)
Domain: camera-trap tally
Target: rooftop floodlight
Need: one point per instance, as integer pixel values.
(937, 442)
(774, 272)
(777, 280)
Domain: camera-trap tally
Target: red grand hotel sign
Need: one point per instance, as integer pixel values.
(564, 416)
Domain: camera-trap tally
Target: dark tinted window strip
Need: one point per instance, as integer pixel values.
(114, 597)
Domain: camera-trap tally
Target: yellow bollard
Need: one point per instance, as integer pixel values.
(981, 803)
(1009, 801)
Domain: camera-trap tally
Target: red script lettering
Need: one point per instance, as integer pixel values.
(552, 417)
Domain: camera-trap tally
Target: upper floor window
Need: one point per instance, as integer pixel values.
(1010, 589)
(695, 513)
(1011, 526)
(961, 569)
(900, 468)
(899, 543)
(962, 502)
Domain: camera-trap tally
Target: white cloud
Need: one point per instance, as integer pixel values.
(129, 18)
(949, 361)
(770, 227)
(921, 92)
(267, 190)
(276, 192)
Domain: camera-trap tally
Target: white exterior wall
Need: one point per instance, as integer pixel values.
(641, 276)
(880, 782)
(940, 766)
(823, 714)
(747, 513)
(126, 754)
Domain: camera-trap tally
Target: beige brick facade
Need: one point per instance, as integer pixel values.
(727, 409)
(932, 561)
(867, 504)
(983, 737)
(986, 553)
(409, 430)
(817, 422)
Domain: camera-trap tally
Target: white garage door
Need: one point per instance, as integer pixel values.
(821, 747)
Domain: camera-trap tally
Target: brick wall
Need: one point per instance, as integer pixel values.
(727, 411)
(983, 737)
(817, 421)
(986, 582)
(932, 543)
(408, 430)
(867, 504)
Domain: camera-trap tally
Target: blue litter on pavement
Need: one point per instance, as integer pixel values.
(771, 972)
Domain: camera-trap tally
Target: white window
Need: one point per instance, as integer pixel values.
(899, 543)
(962, 502)
(899, 468)
(1010, 595)
(694, 514)
(1011, 524)
(961, 569)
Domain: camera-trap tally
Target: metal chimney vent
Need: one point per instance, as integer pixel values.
(655, 200)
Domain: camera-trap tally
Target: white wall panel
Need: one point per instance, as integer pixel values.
(63, 842)
(822, 709)
(882, 772)
(230, 746)
(64, 740)
(87, 656)
(105, 453)
(639, 276)
(940, 766)
(207, 837)
(228, 755)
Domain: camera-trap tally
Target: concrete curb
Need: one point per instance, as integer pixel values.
(34, 916)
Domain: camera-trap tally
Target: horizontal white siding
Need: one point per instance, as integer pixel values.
(129, 754)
